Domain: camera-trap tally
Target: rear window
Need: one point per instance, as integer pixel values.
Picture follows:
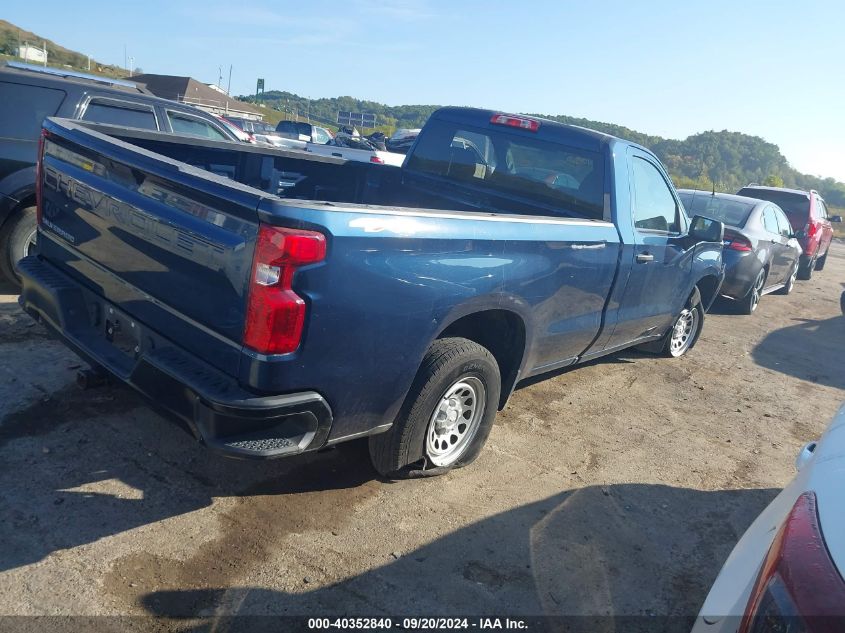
(23, 109)
(294, 127)
(733, 212)
(796, 205)
(551, 173)
(126, 115)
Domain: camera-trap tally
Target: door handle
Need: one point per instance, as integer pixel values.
(642, 258)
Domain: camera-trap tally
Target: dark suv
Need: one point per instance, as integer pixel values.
(28, 94)
(807, 213)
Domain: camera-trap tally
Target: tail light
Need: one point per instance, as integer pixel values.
(799, 588)
(39, 204)
(377, 159)
(736, 242)
(524, 123)
(810, 230)
(275, 314)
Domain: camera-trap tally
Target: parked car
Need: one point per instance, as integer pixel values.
(259, 131)
(307, 300)
(761, 253)
(786, 572)
(304, 131)
(28, 94)
(401, 140)
(242, 136)
(297, 130)
(807, 213)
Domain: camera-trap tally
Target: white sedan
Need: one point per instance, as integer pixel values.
(786, 572)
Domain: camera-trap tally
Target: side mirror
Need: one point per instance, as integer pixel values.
(836, 218)
(706, 230)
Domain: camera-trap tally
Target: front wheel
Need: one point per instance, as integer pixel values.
(447, 414)
(790, 281)
(17, 240)
(685, 331)
(806, 267)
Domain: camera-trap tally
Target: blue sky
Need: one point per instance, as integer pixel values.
(772, 69)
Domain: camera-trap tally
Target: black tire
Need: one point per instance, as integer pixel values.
(403, 451)
(15, 242)
(805, 268)
(694, 311)
(790, 281)
(748, 304)
(820, 262)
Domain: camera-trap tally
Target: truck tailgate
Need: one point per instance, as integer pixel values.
(163, 242)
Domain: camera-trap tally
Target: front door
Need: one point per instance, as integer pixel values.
(660, 260)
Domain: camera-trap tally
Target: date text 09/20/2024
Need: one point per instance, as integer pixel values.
(419, 623)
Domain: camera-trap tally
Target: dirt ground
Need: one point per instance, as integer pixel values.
(614, 488)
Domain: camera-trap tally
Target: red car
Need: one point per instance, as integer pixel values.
(810, 222)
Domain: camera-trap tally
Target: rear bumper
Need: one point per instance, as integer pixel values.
(218, 411)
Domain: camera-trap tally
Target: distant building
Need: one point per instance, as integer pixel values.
(34, 54)
(205, 97)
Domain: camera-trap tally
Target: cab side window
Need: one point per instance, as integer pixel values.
(655, 207)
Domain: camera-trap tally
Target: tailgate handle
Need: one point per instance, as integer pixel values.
(642, 258)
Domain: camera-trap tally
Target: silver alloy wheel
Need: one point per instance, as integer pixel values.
(757, 290)
(683, 331)
(455, 421)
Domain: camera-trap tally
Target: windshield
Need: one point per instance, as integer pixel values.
(727, 210)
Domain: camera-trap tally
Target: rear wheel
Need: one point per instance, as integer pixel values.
(17, 240)
(447, 414)
(748, 304)
(821, 261)
(685, 330)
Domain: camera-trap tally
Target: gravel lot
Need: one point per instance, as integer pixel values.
(618, 487)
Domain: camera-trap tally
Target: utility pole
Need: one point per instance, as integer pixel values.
(89, 63)
(229, 85)
(44, 45)
(131, 64)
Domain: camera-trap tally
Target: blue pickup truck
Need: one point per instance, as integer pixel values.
(277, 302)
